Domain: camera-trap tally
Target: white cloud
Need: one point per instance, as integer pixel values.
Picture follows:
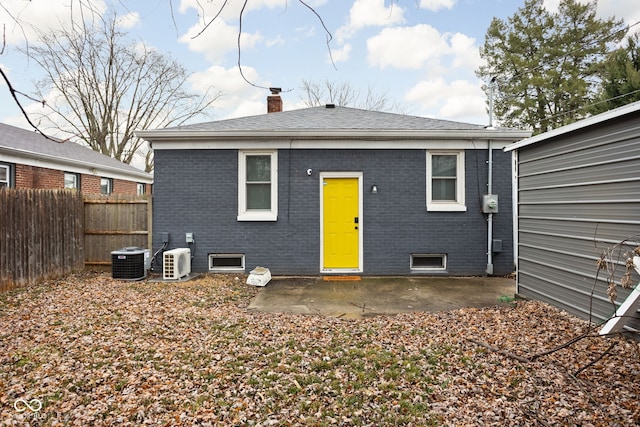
(316, 3)
(456, 100)
(129, 20)
(406, 47)
(436, 5)
(342, 54)
(620, 9)
(277, 40)
(423, 47)
(305, 32)
(21, 20)
(466, 52)
(230, 10)
(238, 98)
(370, 13)
(219, 39)
(625, 9)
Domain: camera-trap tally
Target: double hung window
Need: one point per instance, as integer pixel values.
(445, 181)
(257, 186)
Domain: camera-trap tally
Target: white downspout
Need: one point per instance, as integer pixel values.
(514, 198)
(489, 269)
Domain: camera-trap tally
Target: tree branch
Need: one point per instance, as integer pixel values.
(24, 113)
(500, 351)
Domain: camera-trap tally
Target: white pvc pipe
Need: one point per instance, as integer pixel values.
(489, 269)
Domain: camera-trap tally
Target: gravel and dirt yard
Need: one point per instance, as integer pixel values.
(87, 350)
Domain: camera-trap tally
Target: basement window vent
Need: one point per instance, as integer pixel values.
(226, 262)
(428, 261)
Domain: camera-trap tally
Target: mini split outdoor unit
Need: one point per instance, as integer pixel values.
(130, 263)
(176, 264)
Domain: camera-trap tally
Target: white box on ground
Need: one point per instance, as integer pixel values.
(259, 276)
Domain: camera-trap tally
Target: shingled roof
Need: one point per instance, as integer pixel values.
(17, 143)
(324, 123)
(330, 117)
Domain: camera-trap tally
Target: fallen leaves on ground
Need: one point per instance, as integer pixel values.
(97, 351)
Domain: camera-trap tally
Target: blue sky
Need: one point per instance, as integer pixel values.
(421, 54)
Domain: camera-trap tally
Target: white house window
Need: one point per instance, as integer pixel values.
(4, 176)
(257, 186)
(445, 181)
(71, 180)
(140, 189)
(106, 186)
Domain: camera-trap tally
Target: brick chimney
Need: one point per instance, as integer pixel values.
(274, 102)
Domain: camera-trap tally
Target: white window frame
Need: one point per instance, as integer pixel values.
(76, 180)
(7, 168)
(245, 214)
(448, 206)
(109, 182)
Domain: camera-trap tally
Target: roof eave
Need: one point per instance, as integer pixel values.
(174, 135)
(581, 124)
(63, 161)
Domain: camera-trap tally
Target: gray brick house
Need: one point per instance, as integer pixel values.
(335, 190)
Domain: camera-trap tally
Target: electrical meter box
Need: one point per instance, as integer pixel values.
(490, 203)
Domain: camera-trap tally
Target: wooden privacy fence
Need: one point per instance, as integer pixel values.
(41, 235)
(50, 233)
(112, 223)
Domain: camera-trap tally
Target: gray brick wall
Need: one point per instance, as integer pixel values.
(196, 191)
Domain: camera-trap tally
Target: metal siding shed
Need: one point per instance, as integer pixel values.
(578, 196)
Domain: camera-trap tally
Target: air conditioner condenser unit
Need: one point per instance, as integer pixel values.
(176, 264)
(130, 263)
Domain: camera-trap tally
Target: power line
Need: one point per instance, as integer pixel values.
(608, 36)
(564, 56)
(564, 113)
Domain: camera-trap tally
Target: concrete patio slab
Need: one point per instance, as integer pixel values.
(360, 297)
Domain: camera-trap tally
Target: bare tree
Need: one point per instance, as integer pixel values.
(344, 94)
(90, 9)
(100, 88)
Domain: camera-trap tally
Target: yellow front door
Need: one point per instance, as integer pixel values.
(341, 223)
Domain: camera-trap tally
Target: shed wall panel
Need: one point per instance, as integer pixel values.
(623, 170)
(619, 191)
(579, 198)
